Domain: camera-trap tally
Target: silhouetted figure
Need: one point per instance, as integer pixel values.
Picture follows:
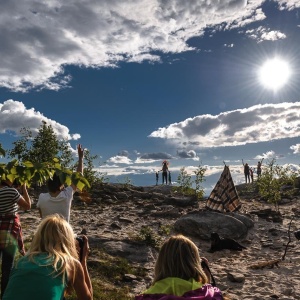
(259, 168)
(246, 172)
(170, 179)
(165, 172)
(251, 174)
(157, 177)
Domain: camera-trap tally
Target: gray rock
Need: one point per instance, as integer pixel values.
(203, 223)
(235, 277)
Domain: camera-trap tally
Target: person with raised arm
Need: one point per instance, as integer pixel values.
(59, 198)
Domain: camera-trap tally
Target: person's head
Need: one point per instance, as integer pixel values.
(179, 257)
(55, 237)
(6, 182)
(54, 184)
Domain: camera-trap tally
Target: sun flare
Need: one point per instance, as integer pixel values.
(274, 73)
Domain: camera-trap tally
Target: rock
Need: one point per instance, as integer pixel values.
(203, 223)
(235, 277)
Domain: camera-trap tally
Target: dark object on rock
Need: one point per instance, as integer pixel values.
(297, 234)
(218, 243)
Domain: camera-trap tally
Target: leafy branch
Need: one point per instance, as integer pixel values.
(28, 172)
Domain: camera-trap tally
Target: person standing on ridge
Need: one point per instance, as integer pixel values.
(246, 171)
(165, 172)
(157, 177)
(251, 174)
(259, 168)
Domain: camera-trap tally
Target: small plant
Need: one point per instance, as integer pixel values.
(272, 179)
(147, 236)
(165, 229)
(184, 181)
(126, 182)
(199, 178)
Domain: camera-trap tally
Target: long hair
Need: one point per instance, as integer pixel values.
(55, 237)
(179, 257)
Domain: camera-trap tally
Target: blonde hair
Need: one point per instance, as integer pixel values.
(179, 257)
(55, 237)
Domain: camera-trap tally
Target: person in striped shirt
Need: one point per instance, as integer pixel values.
(10, 226)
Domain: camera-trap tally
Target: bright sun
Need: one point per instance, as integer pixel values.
(274, 74)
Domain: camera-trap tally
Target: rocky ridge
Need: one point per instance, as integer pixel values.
(117, 214)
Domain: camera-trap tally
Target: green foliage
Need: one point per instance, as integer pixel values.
(105, 271)
(28, 172)
(147, 236)
(165, 230)
(184, 181)
(126, 182)
(199, 179)
(93, 177)
(42, 148)
(272, 179)
(2, 151)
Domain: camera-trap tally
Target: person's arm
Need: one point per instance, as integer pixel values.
(80, 151)
(80, 159)
(24, 200)
(82, 282)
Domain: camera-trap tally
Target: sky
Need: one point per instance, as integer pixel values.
(194, 82)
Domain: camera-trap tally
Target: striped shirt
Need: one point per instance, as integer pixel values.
(9, 198)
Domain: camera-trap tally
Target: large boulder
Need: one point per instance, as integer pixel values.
(202, 223)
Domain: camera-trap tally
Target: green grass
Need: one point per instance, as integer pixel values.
(106, 273)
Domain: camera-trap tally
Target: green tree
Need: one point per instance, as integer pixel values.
(272, 179)
(21, 146)
(199, 179)
(89, 172)
(43, 148)
(2, 151)
(184, 181)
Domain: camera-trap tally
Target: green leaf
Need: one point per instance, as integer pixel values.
(28, 164)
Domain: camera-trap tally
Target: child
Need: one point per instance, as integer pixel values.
(178, 273)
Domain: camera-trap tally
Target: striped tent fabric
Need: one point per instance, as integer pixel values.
(224, 197)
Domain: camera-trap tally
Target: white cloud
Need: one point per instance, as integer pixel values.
(269, 155)
(118, 159)
(288, 4)
(39, 38)
(265, 34)
(295, 148)
(14, 116)
(188, 154)
(233, 128)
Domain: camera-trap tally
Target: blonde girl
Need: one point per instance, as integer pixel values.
(51, 266)
(178, 273)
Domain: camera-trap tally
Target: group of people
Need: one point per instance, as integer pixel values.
(54, 266)
(51, 268)
(166, 174)
(249, 171)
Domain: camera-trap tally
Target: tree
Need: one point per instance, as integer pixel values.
(272, 179)
(2, 151)
(184, 181)
(199, 178)
(43, 148)
(20, 149)
(89, 171)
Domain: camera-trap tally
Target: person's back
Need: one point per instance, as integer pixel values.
(60, 204)
(51, 267)
(59, 198)
(178, 274)
(33, 278)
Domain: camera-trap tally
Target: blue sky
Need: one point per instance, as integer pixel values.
(137, 82)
